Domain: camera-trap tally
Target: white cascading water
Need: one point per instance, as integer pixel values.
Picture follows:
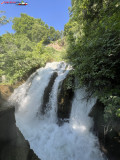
(71, 141)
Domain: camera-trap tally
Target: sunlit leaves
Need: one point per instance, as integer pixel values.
(25, 50)
(35, 29)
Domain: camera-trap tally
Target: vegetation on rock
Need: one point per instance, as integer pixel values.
(27, 49)
(93, 36)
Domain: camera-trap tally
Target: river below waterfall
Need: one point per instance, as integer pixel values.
(70, 141)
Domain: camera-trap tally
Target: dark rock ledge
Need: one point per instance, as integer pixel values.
(13, 145)
(110, 141)
(65, 97)
(47, 92)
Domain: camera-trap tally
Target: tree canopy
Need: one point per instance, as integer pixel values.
(26, 50)
(35, 29)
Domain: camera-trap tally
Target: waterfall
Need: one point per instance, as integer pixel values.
(71, 141)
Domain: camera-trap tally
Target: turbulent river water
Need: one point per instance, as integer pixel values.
(70, 141)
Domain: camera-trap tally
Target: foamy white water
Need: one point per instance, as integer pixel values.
(71, 141)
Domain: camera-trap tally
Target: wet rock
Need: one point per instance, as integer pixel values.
(97, 113)
(109, 141)
(13, 146)
(47, 92)
(1, 99)
(65, 97)
(7, 124)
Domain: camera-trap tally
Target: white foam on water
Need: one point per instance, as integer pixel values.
(71, 141)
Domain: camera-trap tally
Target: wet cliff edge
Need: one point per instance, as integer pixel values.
(109, 140)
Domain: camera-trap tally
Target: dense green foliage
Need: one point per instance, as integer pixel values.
(26, 50)
(35, 29)
(93, 35)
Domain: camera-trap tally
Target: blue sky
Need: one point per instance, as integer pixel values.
(52, 12)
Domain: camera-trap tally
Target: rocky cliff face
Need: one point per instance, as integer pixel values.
(65, 97)
(13, 146)
(109, 141)
(47, 92)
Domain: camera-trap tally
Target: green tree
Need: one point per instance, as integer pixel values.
(35, 29)
(25, 50)
(3, 19)
(23, 24)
